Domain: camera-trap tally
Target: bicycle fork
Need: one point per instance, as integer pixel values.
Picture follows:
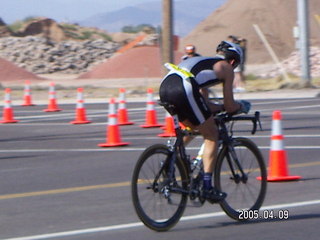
(234, 165)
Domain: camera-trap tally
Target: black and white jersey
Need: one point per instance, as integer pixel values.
(202, 69)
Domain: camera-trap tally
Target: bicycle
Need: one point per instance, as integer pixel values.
(165, 177)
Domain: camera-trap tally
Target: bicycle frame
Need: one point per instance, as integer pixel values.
(225, 141)
(176, 149)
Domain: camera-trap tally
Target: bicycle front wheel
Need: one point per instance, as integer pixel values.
(242, 176)
(158, 202)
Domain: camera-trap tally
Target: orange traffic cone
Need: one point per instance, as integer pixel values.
(27, 95)
(151, 114)
(113, 133)
(169, 130)
(278, 158)
(80, 110)
(7, 110)
(123, 118)
(52, 106)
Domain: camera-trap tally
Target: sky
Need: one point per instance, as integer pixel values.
(60, 10)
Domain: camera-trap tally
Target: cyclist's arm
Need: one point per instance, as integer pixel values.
(224, 71)
(215, 108)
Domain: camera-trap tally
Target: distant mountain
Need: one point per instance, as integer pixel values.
(114, 21)
(59, 10)
(187, 14)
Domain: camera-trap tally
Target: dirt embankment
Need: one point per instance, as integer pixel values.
(275, 18)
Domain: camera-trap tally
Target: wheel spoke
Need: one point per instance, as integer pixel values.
(246, 192)
(156, 204)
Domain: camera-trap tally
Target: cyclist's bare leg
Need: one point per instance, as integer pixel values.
(210, 133)
(187, 139)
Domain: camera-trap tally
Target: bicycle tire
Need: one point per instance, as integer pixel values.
(156, 210)
(248, 196)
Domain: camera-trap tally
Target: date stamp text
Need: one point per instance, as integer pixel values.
(281, 214)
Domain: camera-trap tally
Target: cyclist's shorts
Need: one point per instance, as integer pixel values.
(183, 93)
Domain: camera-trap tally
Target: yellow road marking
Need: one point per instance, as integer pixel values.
(64, 190)
(297, 165)
(103, 186)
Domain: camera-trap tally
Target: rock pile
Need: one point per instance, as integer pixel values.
(40, 56)
(293, 66)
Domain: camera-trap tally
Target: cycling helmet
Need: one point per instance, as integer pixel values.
(231, 51)
(190, 49)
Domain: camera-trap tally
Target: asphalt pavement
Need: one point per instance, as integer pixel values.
(56, 183)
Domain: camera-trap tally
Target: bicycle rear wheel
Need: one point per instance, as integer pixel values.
(158, 204)
(245, 191)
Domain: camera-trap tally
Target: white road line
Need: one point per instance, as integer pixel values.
(281, 102)
(95, 113)
(291, 108)
(124, 149)
(242, 135)
(139, 224)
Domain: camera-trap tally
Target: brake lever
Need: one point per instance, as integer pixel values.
(257, 115)
(254, 129)
(254, 121)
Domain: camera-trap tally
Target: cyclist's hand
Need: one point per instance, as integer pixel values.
(245, 106)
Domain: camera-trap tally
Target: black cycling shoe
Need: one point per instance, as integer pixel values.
(213, 195)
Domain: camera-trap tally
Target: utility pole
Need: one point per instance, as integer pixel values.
(167, 31)
(303, 23)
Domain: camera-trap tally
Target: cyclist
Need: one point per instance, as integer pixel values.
(190, 51)
(188, 93)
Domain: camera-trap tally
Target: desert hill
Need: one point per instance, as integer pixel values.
(276, 19)
(11, 72)
(138, 62)
(4, 30)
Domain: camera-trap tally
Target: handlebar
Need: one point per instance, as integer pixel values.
(225, 117)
